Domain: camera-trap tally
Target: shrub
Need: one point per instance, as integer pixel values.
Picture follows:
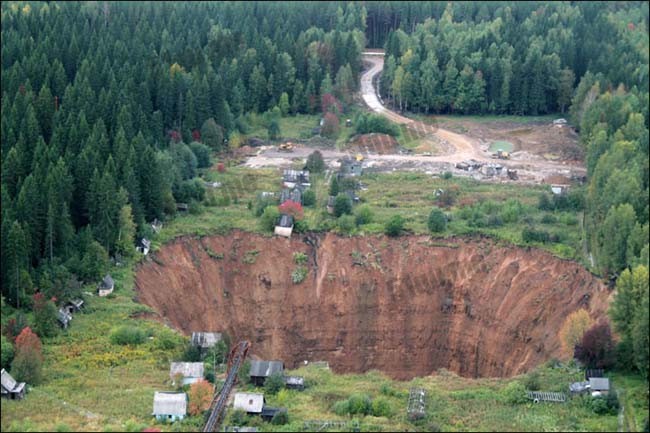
(238, 417)
(269, 218)
(341, 407)
(315, 162)
(28, 363)
(363, 215)
(292, 208)
(167, 340)
(544, 203)
(221, 168)
(308, 198)
(300, 226)
(330, 128)
(126, 334)
(244, 372)
(394, 226)
(548, 218)
(368, 123)
(346, 224)
(360, 404)
(300, 258)
(280, 418)
(342, 205)
(200, 396)
(381, 407)
(192, 353)
(299, 274)
(604, 405)
(514, 393)
(261, 203)
(532, 381)
(596, 348)
(447, 175)
(437, 220)
(274, 383)
(531, 235)
(448, 196)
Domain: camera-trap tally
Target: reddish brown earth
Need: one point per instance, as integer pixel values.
(407, 306)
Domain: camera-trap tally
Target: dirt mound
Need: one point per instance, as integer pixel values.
(382, 144)
(407, 306)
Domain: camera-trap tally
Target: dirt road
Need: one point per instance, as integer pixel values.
(461, 148)
(454, 148)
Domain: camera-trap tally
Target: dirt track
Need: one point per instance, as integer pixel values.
(407, 306)
(462, 147)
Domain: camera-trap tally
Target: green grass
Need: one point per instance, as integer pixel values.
(486, 118)
(292, 127)
(501, 145)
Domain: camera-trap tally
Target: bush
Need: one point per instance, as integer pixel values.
(308, 198)
(244, 372)
(342, 205)
(299, 274)
(341, 407)
(300, 258)
(604, 405)
(531, 235)
(262, 203)
(346, 224)
(514, 393)
(45, 316)
(28, 363)
(192, 353)
(334, 186)
(167, 340)
(548, 218)
(200, 396)
(269, 218)
(532, 381)
(280, 418)
(292, 208)
(363, 215)
(188, 190)
(238, 417)
(394, 226)
(315, 162)
(127, 335)
(300, 226)
(368, 123)
(437, 220)
(447, 175)
(274, 383)
(544, 203)
(381, 407)
(360, 404)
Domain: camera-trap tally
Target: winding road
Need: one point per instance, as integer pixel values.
(454, 148)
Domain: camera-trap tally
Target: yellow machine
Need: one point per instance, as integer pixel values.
(287, 147)
(359, 157)
(502, 154)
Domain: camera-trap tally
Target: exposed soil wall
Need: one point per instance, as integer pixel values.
(406, 306)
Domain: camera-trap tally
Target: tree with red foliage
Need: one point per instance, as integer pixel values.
(330, 126)
(196, 135)
(45, 316)
(175, 136)
(28, 363)
(200, 395)
(292, 208)
(329, 104)
(221, 168)
(596, 349)
(14, 326)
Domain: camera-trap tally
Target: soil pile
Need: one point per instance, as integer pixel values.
(407, 306)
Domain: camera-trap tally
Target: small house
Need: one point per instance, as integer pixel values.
(183, 207)
(190, 372)
(350, 167)
(331, 200)
(559, 122)
(579, 387)
(242, 429)
(260, 370)
(169, 406)
(599, 385)
(212, 184)
(293, 178)
(559, 189)
(462, 166)
(294, 382)
(348, 122)
(285, 226)
(269, 412)
(10, 388)
(251, 403)
(205, 340)
(106, 286)
(64, 317)
(594, 372)
(74, 305)
(144, 245)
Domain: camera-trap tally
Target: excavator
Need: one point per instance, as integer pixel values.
(502, 154)
(286, 147)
